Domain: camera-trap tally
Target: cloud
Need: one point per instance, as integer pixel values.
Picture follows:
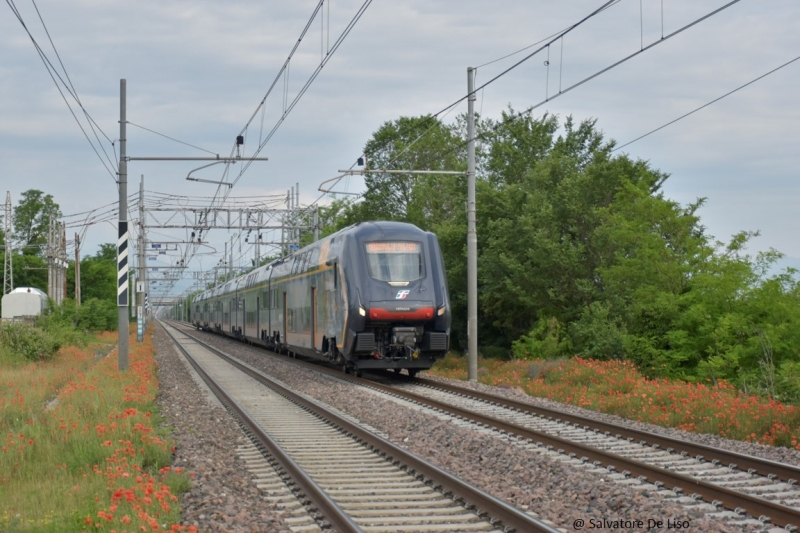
(196, 71)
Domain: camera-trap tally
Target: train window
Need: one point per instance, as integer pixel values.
(394, 261)
(313, 258)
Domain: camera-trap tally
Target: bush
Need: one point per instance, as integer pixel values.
(545, 341)
(495, 352)
(58, 322)
(28, 342)
(93, 315)
(788, 382)
(97, 315)
(66, 335)
(63, 314)
(595, 334)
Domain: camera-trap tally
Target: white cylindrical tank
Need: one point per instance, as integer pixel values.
(23, 302)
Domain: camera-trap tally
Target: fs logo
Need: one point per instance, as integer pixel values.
(401, 295)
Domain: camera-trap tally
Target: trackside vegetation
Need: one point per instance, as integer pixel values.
(619, 388)
(581, 254)
(83, 446)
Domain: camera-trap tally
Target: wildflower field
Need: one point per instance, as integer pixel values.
(82, 448)
(617, 387)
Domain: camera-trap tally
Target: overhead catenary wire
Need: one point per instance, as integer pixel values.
(95, 127)
(512, 54)
(695, 110)
(290, 105)
(547, 40)
(511, 118)
(284, 67)
(547, 44)
(171, 138)
(308, 83)
(53, 72)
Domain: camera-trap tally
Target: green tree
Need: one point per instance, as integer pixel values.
(409, 143)
(98, 275)
(538, 251)
(32, 218)
(30, 271)
(581, 253)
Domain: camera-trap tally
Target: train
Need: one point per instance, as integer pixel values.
(370, 296)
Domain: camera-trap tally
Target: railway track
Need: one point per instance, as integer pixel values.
(758, 486)
(743, 484)
(351, 479)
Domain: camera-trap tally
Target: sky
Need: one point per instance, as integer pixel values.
(197, 71)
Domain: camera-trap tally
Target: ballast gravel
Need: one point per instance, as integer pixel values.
(224, 498)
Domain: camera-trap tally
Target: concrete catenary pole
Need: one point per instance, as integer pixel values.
(77, 270)
(292, 221)
(64, 263)
(472, 236)
(285, 224)
(140, 277)
(297, 219)
(50, 274)
(122, 242)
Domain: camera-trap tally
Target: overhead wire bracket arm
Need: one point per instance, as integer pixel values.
(188, 176)
(336, 179)
(361, 172)
(217, 158)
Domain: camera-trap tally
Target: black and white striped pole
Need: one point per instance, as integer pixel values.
(122, 241)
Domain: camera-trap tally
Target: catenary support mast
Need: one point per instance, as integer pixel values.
(472, 236)
(122, 242)
(140, 288)
(8, 256)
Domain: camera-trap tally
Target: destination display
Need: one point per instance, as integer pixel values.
(393, 247)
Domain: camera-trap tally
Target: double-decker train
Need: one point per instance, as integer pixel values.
(371, 296)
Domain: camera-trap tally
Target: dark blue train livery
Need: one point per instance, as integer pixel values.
(371, 296)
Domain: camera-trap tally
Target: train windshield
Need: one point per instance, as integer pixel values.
(395, 261)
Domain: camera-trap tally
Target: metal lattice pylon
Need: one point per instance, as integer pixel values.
(8, 262)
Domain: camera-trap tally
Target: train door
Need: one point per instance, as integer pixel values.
(285, 320)
(313, 318)
(258, 316)
(244, 317)
(270, 304)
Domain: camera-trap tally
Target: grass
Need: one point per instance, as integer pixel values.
(95, 459)
(617, 387)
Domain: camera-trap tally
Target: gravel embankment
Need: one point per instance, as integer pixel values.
(780, 454)
(228, 501)
(223, 498)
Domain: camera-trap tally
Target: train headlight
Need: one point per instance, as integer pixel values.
(441, 311)
(362, 311)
